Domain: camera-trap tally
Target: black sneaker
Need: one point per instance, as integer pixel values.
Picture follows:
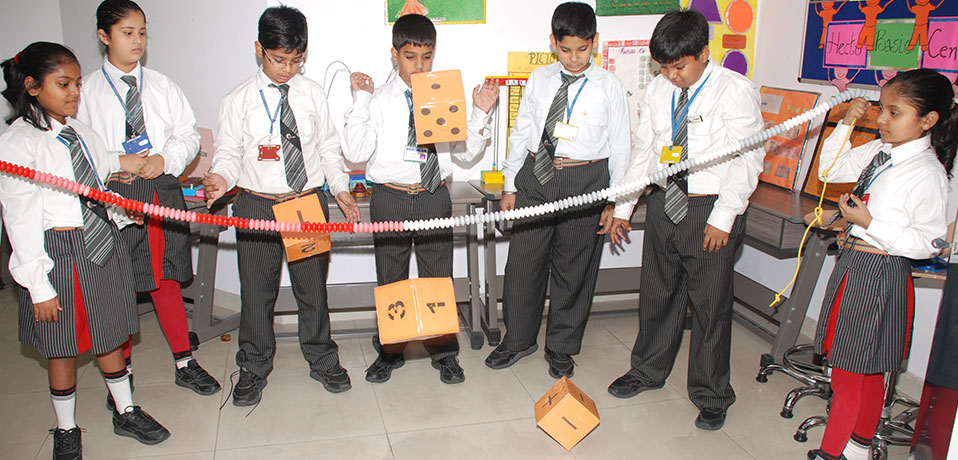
(197, 379)
(817, 454)
(628, 386)
(138, 425)
(449, 370)
(334, 379)
(710, 419)
(249, 389)
(110, 403)
(66, 444)
(502, 357)
(560, 364)
(382, 368)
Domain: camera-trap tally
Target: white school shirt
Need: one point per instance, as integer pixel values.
(29, 210)
(377, 130)
(601, 113)
(170, 123)
(244, 125)
(726, 110)
(908, 195)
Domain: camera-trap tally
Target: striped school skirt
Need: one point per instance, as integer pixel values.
(170, 235)
(99, 304)
(866, 320)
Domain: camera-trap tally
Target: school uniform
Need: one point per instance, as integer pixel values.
(50, 258)
(377, 132)
(720, 108)
(249, 118)
(866, 319)
(560, 250)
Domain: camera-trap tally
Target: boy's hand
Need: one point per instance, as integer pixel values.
(153, 167)
(214, 185)
(348, 206)
(360, 82)
(605, 220)
(507, 202)
(619, 231)
(47, 311)
(132, 163)
(135, 216)
(715, 239)
(484, 96)
(858, 215)
(856, 109)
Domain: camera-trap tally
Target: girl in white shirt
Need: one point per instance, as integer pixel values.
(76, 292)
(138, 110)
(898, 207)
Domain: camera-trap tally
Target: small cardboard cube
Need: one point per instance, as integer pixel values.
(566, 413)
(492, 177)
(439, 105)
(300, 245)
(416, 309)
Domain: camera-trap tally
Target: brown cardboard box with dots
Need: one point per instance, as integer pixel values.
(440, 107)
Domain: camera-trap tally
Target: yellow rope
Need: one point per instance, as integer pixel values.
(816, 221)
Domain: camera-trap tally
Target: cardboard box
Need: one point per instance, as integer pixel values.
(566, 413)
(439, 105)
(300, 245)
(416, 309)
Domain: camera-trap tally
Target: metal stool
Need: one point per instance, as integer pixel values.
(812, 371)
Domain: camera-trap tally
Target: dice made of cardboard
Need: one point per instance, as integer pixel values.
(566, 413)
(300, 245)
(439, 105)
(416, 309)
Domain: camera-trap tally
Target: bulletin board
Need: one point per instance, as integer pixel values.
(784, 152)
(864, 43)
(631, 61)
(439, 11)
(731, 31)
(630, 7)
(865, 131)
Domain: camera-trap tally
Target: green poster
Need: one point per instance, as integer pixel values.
(440, 11)
(626, 7)
(890, 46)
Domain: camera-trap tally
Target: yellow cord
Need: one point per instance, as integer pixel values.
(816, 221)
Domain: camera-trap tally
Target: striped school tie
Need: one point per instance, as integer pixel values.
(543, 168)
(428, 171)
(292, 149)
(97, 240)
(134, 123)
(676, 190)
(864, 180)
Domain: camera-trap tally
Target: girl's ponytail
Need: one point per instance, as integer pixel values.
(944, 137)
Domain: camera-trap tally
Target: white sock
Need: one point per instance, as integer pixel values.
(183, 362)
(855, 451)
(64, 405)
(119, 386)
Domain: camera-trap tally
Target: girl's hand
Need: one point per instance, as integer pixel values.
(47, 311)
(361, 82)
(856, 109)
(136, 216)
(858, 215)
(348, 206)
(153, 167)
(484, 96)
(132, 163)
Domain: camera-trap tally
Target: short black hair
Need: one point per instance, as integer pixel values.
(414, 29)
(677, 35)
(573, 18)
(283, 28)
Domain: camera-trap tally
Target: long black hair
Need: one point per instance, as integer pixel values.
(929, 91)
(37, 60)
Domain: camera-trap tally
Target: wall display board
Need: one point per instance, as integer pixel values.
(630, 7)
(865, 131)
(784, 153)
(631, 62)
(441, 12)
(731, 31)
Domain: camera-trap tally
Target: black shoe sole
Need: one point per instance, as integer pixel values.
(709, 426)
(315, 376)
(452, 381)
(150, 442)
(515, 359)
(252, 402)
(196, 390)
(389, 372)
(633, 393)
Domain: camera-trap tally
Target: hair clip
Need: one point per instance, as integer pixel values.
(16, 59)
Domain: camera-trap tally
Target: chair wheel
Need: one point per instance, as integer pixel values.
(761, 378)
(786, 413)
(194, 341)
(801, 436)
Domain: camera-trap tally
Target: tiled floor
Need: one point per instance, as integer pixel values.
(413, 416)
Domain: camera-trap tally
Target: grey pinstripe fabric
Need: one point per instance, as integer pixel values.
(676, 191)
(292, 148)
(873, 319)
(429, 175)
(676, 272)
(108, 297)
(135, 124)
(177, 260)
(561, 251)
(543, 169)
(96, 228)
(260, 255)
(393, 249)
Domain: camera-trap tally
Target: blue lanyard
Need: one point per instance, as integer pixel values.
(408, 101)
(875, 177)
(568, 108)
(129, 116)
(685, 111)
(86, 153)
(272, 119)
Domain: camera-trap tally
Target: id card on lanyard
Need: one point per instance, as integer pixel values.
(565, 130)
(673, 153)
(269, 151)
(139, 143)
(89, 158)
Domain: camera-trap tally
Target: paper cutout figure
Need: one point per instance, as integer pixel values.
(882, 77)
(739, 16)
(827, 13)
(735, 60)
(708, 8)
(842, 79)
(413, 7)
(921, 10)
(871, 11)
(952, 77)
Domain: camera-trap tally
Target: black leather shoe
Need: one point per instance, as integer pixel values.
(382, 368)
(628, 386)
(334, 379)
(197, 379)
(560, 364)
(138, 425)
(817, 454)
(502, 357)
(710, 419)
(249, 390)
(449, 370)
(110, 403)
(66, 444)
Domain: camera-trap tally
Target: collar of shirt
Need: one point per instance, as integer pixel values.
(589, 73)
(116, 73)
(908, 150)
(263, 82)
(698, 83)
(56, 127)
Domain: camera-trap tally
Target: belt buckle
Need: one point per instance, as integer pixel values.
(558, 163)
(414, 190)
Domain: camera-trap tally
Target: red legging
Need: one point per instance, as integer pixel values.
(857, 401)
(167, 297)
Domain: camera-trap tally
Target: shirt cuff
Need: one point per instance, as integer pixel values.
(42, 292)
(721, 220)
(362, 98)
(623, 211)
(485, 118)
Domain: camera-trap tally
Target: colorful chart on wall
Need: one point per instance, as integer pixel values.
(784, 153)
(731, 31)
(631, 62)
(865, 131)
(439, 11)
(865, 43)
(629, 7)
